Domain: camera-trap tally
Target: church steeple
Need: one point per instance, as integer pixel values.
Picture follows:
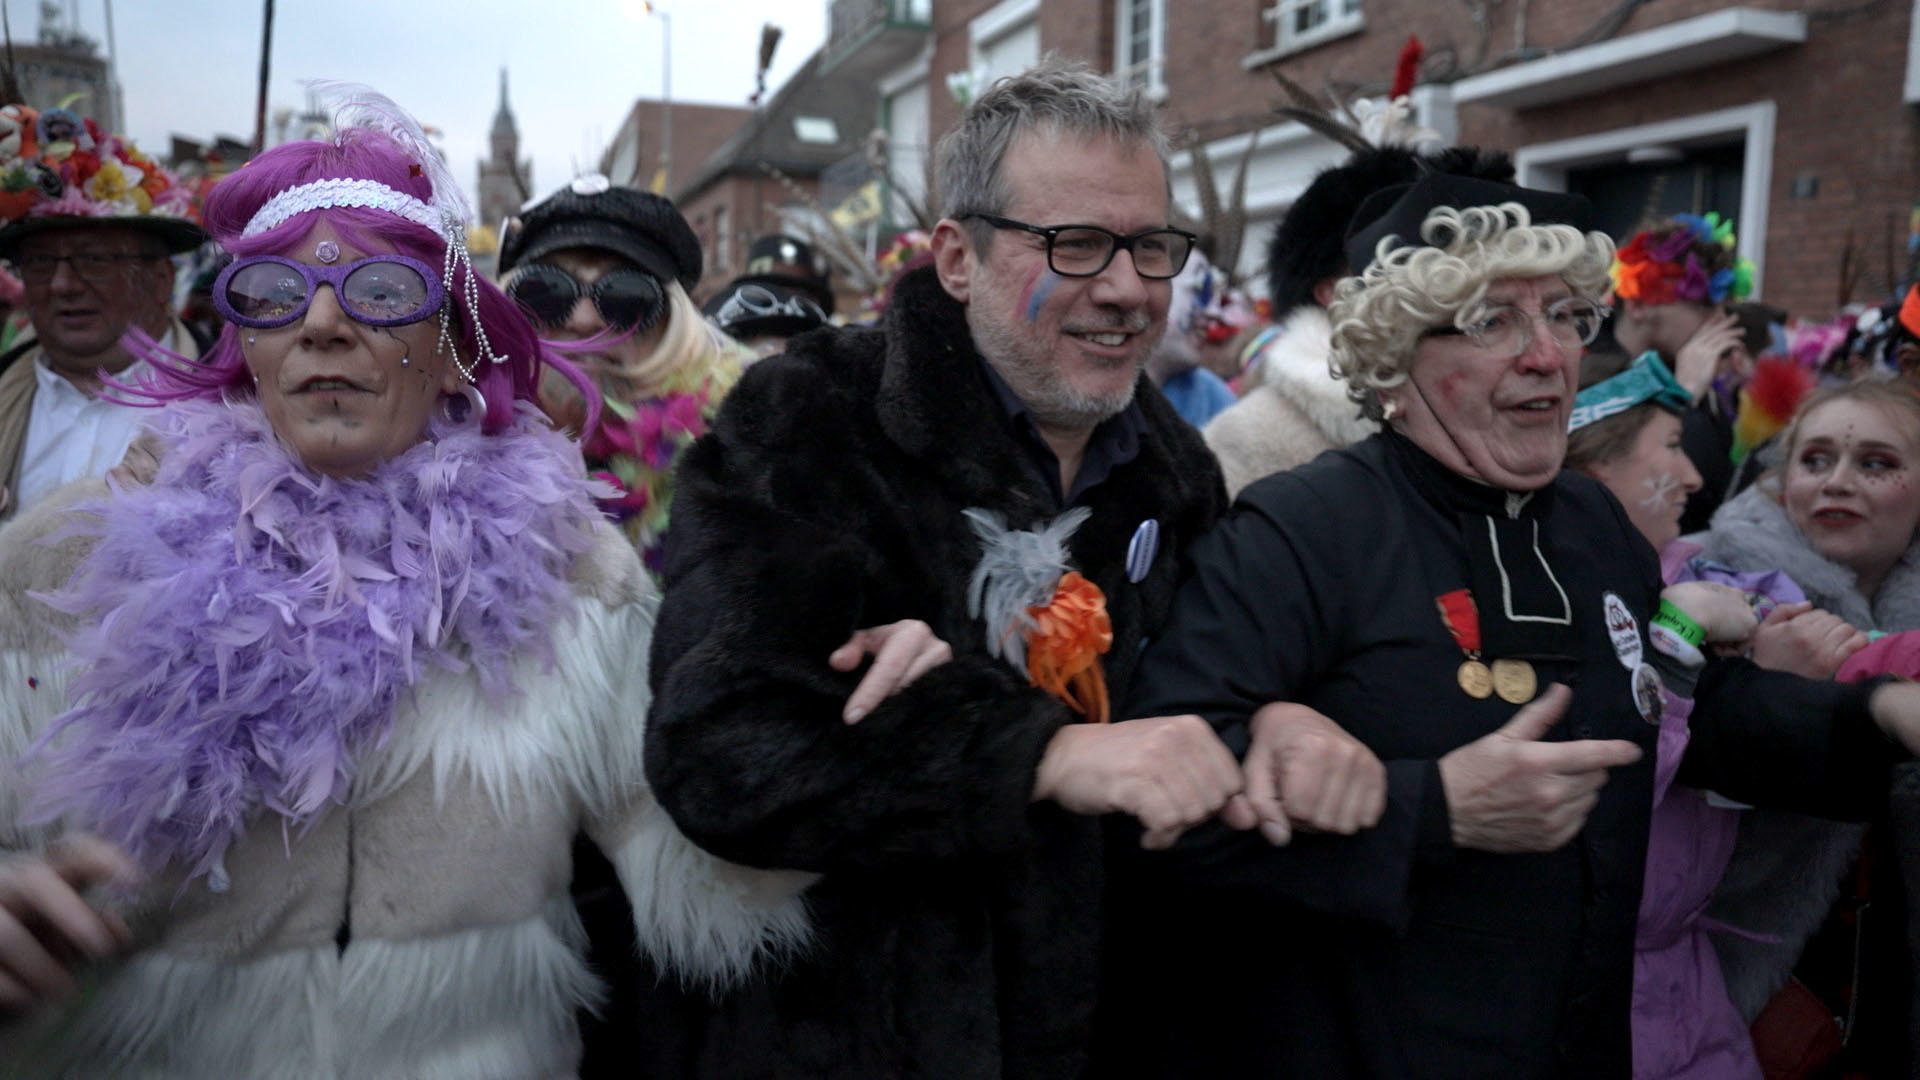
(505, 139)
(505, 180)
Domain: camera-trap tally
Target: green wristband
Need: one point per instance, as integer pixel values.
(1681, 623)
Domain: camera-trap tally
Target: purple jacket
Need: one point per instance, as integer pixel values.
(1683, 1024)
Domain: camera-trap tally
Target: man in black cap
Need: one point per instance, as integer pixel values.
(89, 277)
(763, 311)
(779, 259)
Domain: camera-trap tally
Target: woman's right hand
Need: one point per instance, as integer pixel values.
(902, 652)
(46, 927)
(1805, 641)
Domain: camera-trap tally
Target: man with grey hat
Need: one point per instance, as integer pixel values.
(92, 271)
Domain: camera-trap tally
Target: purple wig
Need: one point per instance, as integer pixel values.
(357, 153)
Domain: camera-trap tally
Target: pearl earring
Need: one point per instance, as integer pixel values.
(1390, 409)
(251, 340)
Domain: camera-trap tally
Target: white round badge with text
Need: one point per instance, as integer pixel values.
(1623, 630)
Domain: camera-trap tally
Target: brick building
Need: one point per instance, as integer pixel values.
(1795, 119)
(633, 157)
(770, 167)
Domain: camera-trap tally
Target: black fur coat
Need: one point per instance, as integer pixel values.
(957, 921)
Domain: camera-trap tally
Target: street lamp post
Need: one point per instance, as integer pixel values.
(666, 97)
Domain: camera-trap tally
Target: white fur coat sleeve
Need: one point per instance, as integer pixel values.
(706, 920)
(34, 557)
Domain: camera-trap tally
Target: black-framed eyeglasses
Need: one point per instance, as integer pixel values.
(625, 299)
(39, 267)
(1085, 250)
(1502, 328)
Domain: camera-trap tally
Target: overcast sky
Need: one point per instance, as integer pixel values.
(575, 66)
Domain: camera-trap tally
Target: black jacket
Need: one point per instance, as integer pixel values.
(958, 921)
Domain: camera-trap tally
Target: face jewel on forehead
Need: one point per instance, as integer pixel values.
(326, 251)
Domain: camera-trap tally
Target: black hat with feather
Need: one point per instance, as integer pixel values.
(1308, 245)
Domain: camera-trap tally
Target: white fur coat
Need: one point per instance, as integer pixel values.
(448, 870)
(1298, 412)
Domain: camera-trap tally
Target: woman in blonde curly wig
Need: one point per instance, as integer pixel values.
(1434, 590)
(1380, 316)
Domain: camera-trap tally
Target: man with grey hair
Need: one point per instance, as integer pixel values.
(991, 461)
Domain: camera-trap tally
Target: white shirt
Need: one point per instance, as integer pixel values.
(72, 435)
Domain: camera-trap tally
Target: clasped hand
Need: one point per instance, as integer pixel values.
(45, 923)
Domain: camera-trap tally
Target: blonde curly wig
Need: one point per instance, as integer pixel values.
(1378, 317)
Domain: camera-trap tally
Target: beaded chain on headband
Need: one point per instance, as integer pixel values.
(374, 195)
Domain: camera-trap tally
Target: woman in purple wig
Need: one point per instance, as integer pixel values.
(294, 737)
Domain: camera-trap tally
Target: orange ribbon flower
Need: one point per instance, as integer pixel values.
(1069, 636)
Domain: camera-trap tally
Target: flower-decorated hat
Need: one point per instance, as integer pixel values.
(1690, 258)
(60, 171)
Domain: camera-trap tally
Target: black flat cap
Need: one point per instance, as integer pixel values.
(1309, 244)
(791, 261)
(1399, 211)
(592, 213)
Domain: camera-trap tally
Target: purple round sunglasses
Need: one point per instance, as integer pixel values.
(269, 291)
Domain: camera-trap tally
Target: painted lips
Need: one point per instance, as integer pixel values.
(326, 384)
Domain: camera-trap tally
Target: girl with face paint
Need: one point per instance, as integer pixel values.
(1838, 516)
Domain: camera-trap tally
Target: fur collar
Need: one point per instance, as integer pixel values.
(248, 627)
(1295, 367)
(1752, 532)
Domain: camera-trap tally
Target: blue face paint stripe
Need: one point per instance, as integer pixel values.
(1041, 290)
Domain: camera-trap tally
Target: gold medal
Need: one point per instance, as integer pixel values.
(1475, 679)
(1514, 681)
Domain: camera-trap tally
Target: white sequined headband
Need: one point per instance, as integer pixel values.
(374, 195)
(327, 194)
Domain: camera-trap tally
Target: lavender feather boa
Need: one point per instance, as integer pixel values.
(250, 626)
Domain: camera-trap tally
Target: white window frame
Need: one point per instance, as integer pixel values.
(1002, 20)
(891, 86)
(1154, 67)
(1285, 42)
(1912, 88)
(1545, 165)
